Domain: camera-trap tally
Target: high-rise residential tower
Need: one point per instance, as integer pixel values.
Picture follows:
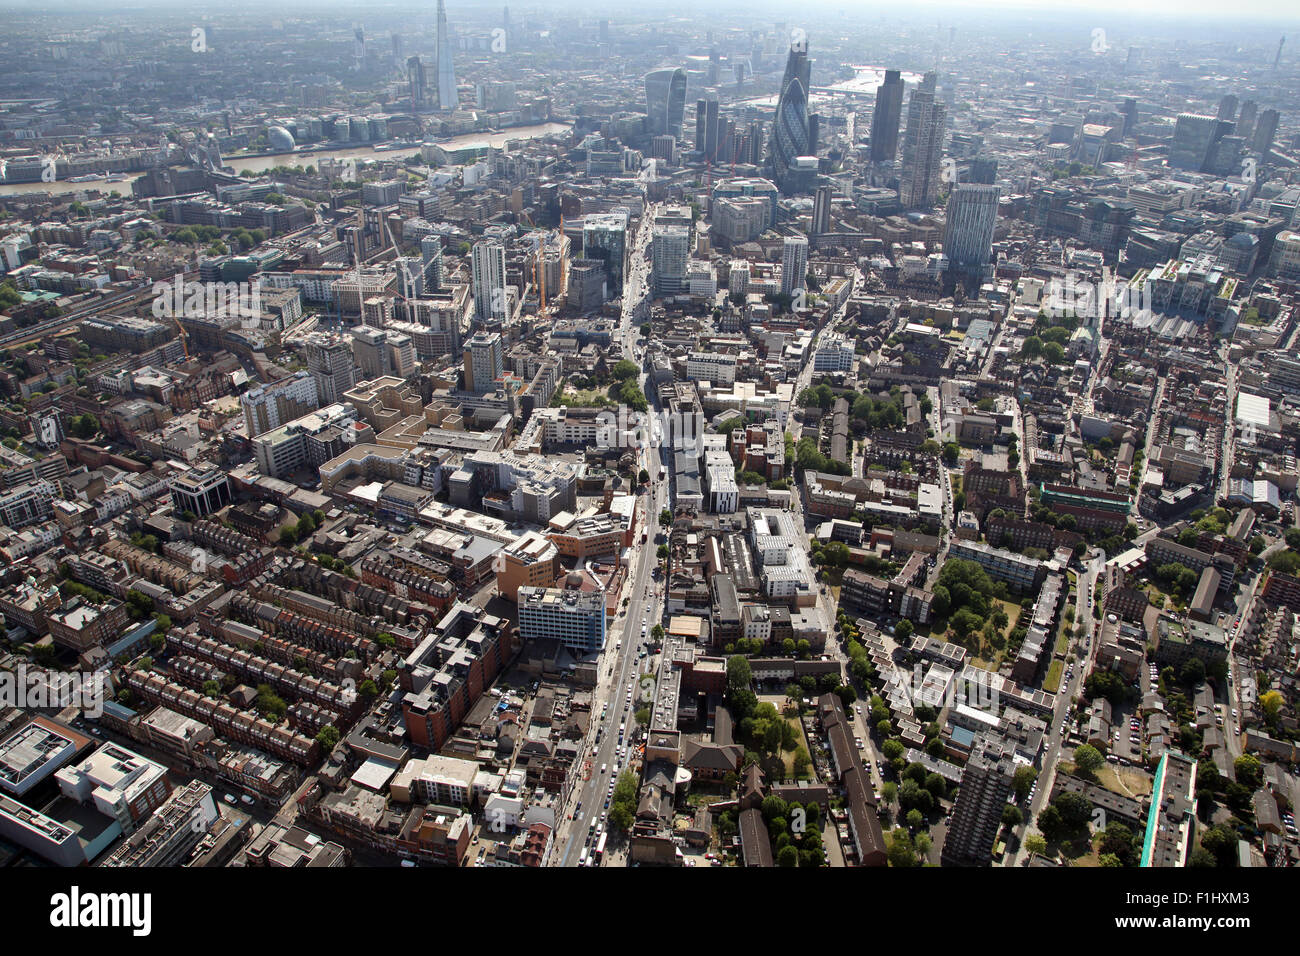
(922, 149)
(794, 264)
(484, 361)
(986, 783)
(972, 215)
(488, 271)
(1265, 131)
(330, 362)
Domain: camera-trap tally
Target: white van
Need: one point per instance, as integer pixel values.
(603, 768)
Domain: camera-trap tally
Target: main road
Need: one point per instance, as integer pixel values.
(618, 671)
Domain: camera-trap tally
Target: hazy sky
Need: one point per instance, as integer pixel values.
(1172, 15)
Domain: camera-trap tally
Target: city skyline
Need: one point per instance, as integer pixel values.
(463, 435)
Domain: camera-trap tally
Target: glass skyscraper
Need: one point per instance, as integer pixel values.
(665, 97)
(794, 131)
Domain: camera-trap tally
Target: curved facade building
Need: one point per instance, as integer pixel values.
(794, 130)
(281, 139)
(665, 99)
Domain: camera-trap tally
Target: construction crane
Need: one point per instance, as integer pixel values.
(183, 337)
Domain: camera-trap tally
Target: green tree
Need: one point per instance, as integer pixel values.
(901, 852)
(328, 737)
(1088, 759)
(1249, 771)
(1023, 780)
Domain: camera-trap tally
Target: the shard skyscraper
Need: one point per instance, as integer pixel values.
(447, 98)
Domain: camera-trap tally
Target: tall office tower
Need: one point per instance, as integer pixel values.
(728, 144)
(972, 214)
(574, 618)
(1129, 110)
(604, 31)
(713, 67)
(1228, 108)
(885, 118)
(1133, 62)
(604, 237)
(1194, 142)
(370, 350)
(821, 215)
(754, 143)
(986, 783)
(1265, 131)
(415, 76)
(484, 361)
(665, 100)
(431, 256)
(922, 150)
(711, 129)
(794, 264)
(447, 96)
(1246, 121)
(983, 170)
(794, 131)
(701, 125)
(397, 47)
(929, 82)
(670, 251)
(488, 278)
(329, 360)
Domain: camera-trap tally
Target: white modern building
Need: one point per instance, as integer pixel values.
(488, 269)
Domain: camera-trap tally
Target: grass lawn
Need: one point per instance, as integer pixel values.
(1126, 781)
(1052, 683)
(586, 397)
(1161, 598)
(1090, 859)
(787, 756)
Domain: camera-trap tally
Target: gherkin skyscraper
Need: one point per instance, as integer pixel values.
(447, 97)
(794, 130)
